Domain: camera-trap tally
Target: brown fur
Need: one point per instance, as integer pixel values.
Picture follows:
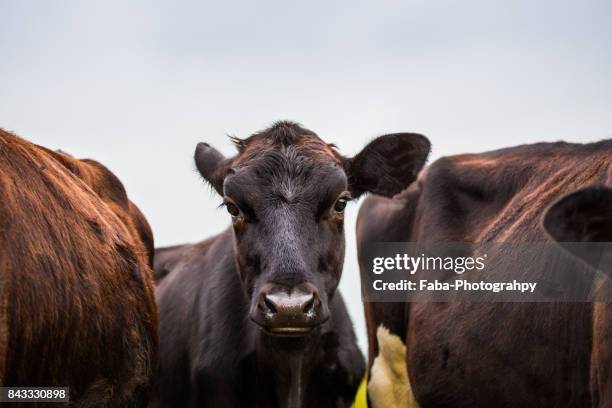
(601, 357)
(489, 354)
(586, 216)
(77, 305)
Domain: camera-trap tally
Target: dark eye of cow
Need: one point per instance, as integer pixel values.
(340, 204)
(232, 209)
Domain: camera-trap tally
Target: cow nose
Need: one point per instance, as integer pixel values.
(294, 305)
(289, 312)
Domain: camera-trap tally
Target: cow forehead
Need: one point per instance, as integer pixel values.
(305, 147)
(288, 172)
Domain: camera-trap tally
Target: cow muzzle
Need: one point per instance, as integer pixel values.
(289, 312)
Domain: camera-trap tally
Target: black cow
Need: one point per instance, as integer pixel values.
(252, 317)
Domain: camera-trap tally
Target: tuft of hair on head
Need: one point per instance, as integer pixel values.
(282, 133)
(237, 142)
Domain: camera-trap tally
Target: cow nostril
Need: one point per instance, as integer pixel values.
(269, 305)
(308, 306)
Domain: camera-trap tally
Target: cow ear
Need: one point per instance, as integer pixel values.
(212, 165)
(388, 164)
(583, 216)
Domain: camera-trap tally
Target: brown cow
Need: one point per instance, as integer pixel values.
(586, 216)
(77, 304)
(488, 354)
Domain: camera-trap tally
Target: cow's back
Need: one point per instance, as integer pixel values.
(76, 305)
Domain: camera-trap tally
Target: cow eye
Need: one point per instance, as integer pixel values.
(232, 209)
(340, 204)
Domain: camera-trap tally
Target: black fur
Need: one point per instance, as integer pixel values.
(285, 189)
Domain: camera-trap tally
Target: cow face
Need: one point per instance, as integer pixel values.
(286, 191)
(582, 216)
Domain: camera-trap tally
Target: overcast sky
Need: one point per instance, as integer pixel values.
(137, 85)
